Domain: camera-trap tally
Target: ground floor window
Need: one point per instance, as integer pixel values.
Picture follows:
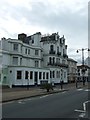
(31, 74)
(58, 74)
(50, 74)
(40, 75)
(53, 74)
(43, 75)
(26, 74)
(47, 75)
(19, 74)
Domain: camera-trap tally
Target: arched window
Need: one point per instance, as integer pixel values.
(49, 59)
(51, 48)
(58, 49)
(53, 60)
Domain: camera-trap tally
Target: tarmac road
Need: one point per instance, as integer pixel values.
(60, 105)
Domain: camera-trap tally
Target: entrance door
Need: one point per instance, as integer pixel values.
(36, 78)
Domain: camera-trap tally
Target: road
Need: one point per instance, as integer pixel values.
(68, 104)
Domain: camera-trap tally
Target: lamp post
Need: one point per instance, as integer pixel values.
(83, 67)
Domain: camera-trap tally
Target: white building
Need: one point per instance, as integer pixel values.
(55, 57)
(82, 71)
(29, 60)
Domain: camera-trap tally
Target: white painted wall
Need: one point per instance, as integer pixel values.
(13, 75)
(28, 60)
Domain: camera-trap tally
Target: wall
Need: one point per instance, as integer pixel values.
(12, 75)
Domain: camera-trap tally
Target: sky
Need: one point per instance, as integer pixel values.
(67, 17)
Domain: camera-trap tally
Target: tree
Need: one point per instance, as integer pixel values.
(47, 86)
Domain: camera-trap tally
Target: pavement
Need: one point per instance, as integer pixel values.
(11, 94)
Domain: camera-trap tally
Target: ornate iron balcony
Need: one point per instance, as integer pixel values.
(51, 52)
(58, 53)
(49, 63)
(65, 56)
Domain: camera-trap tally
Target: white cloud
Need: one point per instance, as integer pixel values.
(68, 17)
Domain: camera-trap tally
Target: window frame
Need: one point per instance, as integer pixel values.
(15, 46)
(14, 61)
(36, 52)
(26, 74)
(31, 75)
(20, 75)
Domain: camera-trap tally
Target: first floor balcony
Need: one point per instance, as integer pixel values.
(51, 52)
(58, 53)
(65, 56)
(58, 64)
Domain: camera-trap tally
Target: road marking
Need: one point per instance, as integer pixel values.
(87, 90)
(64, 92)
(51, 94)
(79, 89)
(82, 115)
(28, 99)
(82, 111)
(44, 96)
(21, 102)
(84, 105)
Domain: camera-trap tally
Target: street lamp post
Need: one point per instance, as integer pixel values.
(83, 67)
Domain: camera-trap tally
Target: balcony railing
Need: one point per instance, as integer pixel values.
(58, 64)
(58, 53)
(49, 63)
(61, 65)
(51, 52)
(64, 65)
(65, 56)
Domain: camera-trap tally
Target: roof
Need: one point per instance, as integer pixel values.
(81, 66)
(70, 59)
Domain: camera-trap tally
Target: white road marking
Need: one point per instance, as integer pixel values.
(82, 111)
(87, 90)
(84, 105)
(44, 96)
(27, 99)
(21, 102)
(64, 92)
(79, 89)
(51, 94)
(82, 115)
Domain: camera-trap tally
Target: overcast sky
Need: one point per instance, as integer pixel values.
(68, 17)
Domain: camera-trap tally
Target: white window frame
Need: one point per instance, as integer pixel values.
(15, 46)
(36, 52)
(36, 63)
(14, 61)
